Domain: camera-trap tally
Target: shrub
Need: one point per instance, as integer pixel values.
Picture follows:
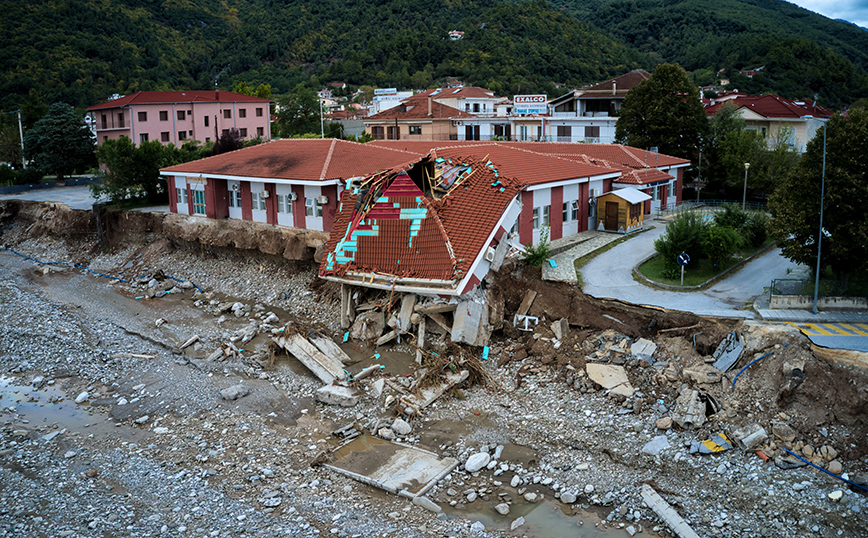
(683, 234)
(30, 175)
(720, 243)
(755, 230)
(731, 216)
(535, 255)
(8, 176)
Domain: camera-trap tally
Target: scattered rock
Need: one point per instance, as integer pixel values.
(655, 445)
(337, 395)
(81, 398)
(836, 495)
(476, 462)
(427, 504)
(568, 498)
(664, 423)
(401, 427)
(517, 523)
(502, 509)
(783, 432)
(234, 392)
(835, 467)
(610, 377)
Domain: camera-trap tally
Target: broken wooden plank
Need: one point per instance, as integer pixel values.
(190, 341)
(345, 306)
(322, 366)
(428, 395)
(667, 513)
(436, 308)
(526, 303)
(386, 338)
(330, 348)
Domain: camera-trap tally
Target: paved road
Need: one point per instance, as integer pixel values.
(75, 197)
(610, 275)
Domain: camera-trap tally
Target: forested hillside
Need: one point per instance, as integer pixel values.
(803, 53)
(82, 51)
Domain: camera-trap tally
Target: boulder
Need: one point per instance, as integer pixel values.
(401, 427)
(476, 462)
(234, 392)
(337, 395)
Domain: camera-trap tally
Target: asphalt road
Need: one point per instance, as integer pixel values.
(610, 275)
(75, 197)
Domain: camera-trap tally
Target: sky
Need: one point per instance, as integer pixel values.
(855, 11)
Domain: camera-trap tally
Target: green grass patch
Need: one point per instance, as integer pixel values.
(696, 273)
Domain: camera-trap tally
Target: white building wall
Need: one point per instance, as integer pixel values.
(256, 188)
(286, 219)
(541, 199)
(231, 186)
(571, 195)
(312, 222)
(181, 183)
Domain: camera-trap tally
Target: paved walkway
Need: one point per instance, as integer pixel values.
(571, 248)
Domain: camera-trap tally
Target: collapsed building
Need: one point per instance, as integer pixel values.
(428, 233)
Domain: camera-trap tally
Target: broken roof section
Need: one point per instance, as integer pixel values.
(422, 228)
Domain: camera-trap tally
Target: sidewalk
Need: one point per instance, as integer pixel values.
(569, 249)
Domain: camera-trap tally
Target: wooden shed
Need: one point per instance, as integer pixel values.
(621, 210)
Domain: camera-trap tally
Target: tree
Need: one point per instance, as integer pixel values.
(298, 113)
(133, 172)
(664, 111)
(229, 142)
(263, 90)
(795, 205)
(60, 142)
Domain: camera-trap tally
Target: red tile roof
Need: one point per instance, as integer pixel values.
(605, 155)
(196, 96)
(644, 176)
(773, 106)
(397, 229)
(414, 109)
(618, 86)
(462, 92)
(301, 159)
(521, 161)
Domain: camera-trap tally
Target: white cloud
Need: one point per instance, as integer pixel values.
(855, 11)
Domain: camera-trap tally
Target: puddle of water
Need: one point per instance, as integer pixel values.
(48, 406)
(547, 519)
(396, 362)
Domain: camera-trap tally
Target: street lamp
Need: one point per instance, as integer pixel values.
(744, 194)
(820, 234)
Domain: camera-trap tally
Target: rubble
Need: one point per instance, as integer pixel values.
(337, 395)
(611, 378)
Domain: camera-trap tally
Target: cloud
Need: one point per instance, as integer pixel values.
(855, 11)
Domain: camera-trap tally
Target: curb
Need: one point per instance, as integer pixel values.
(713, 280)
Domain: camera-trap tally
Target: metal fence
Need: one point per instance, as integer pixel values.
(704, 206)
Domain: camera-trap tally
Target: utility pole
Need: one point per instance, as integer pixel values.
(21, 136)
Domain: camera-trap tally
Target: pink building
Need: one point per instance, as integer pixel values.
(177, 117)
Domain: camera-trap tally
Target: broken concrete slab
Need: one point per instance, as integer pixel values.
(656, 445)
(377, 388)
(660, 507)
(611, 377)
(750, 437)
(728, 352)
(470, 324)
(644, 349)
(397, 468)
(386, 338)
(526, 303)
(190, 341)
(325, 368)
(435, 308)
(337, 395)
(408, 303)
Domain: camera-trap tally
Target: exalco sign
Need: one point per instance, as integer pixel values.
(530, 104)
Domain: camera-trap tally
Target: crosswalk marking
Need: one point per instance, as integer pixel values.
(832, 329)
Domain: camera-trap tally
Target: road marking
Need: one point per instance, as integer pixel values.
(854, 329)
(818, 329)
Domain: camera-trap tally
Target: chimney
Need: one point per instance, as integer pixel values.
(429, 106)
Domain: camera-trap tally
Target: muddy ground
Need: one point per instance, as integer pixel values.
(153, 449)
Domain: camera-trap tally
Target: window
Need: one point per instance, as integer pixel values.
(415, 129)
(536, 218)
(284, 204)
(227, 114)
(566, 212)
(143, 116)
(225, 132)
(190, 113)
(242, 112)
(199, 202)
(258, 201)
(574, 210)
(234, 197)
(476, 107)
(182, 135)
(564, 133)
(190, 134)
(393, 132)
(121, 120)
(312, 208)
(164, 115)
(104, 138)
(377, 133)
(143, 137)
(634, 211)
(546, 211)
(260, 131)
(164, 136)
(243, 132)
(104, 122)
(206, 121)
(182, 115)
(207, 139)
(181, 195)
(259, 112)
(592, 132)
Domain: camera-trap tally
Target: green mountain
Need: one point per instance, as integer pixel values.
(82, 51)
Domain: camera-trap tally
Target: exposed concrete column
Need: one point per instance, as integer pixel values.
(420, 340)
